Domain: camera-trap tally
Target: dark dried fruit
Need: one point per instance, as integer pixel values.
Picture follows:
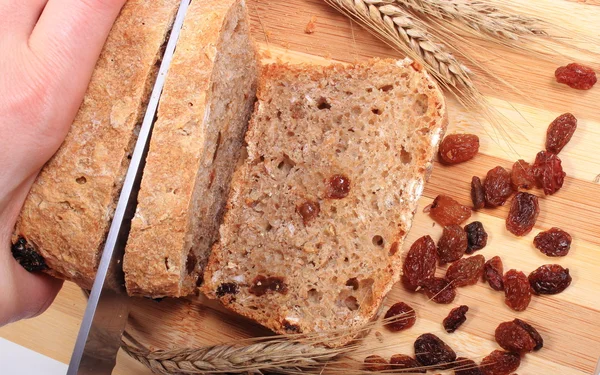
(26, 255)
(554, 242)
(339, 187)
(400, 362)
(458, 148)
(420, 263)
(535, 335)
(262, 285)
(576, 76)
(455, 318)
(523, 214)
(227, 288)
(548, 172)
(400, 317)
(291, 328)
(522, 175)
(466, 271)
(375, 363)
(439, 290)
(430, 350)
(476, 237)
(465, 366)
(309, 211)
(550, 279)
(446, 211)
(477, 193)
(560, 132)
(493, 272)
(514, 338)
(517, 292)
(497, 187)
(452, 245)
(500, 362)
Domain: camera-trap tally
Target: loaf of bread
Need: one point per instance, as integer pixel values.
(65, 220)
(317, 214)
(203, 115)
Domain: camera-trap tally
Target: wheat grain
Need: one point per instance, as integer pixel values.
(480, 16)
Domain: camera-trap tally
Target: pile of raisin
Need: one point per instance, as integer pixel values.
(523, 214)
(576, 76)
(456, 317)
(400, 317)
(420, 263)
(458, 148)
(517, 291)
(452, 245)
(446, 211)
(497, 187)
(554, 242)
(550, 279)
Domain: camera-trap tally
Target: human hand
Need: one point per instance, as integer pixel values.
(49, 50)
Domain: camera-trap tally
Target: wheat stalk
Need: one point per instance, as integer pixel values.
(398, 28)
(480, 16)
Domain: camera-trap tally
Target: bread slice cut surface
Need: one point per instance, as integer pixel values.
(317, 214)
(206, 103)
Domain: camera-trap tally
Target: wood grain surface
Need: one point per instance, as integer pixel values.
(569, 322)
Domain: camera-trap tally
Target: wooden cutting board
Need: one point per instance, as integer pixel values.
(569, 322)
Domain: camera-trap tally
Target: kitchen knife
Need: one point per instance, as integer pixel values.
(99, 337)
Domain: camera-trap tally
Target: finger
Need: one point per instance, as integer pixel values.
(68, 38)
(19, 16)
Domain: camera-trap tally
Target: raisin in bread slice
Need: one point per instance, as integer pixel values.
(203, 115)
(66, 217)
(317, 214)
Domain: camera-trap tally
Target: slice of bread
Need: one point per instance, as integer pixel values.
(65, 220)
(203, 115)
(317, 215)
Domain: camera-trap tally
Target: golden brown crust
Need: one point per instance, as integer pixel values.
(166, 251)
(68, 211)
(253, 228)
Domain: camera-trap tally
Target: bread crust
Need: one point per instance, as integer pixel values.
(221, 260)
(67, 214)
(161, 258)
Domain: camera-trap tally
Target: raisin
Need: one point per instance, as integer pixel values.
(476, 237)
(452, 245)
(554, 242)
(548, 172)
(227, 288)
(465, 366)
(309, 211)
(420, 263)
(430, 350)
(493, 272)
(560, 132)
(26, 255)
(400, 362)
(535, 335)
(339, 187)
(446, 211)
(576, 76)
(497, 187)
(458, 148)
(550, 279)
(523, 214)
(455, 318)
(375, 363)
(514, 338)
(400, 317)
(517, 292)
(466, 271)
(522, 175)
(500, 362)
(262, 285)
(439, 290)
(477, 193)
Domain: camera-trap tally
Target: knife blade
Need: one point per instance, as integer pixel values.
(99, 337)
